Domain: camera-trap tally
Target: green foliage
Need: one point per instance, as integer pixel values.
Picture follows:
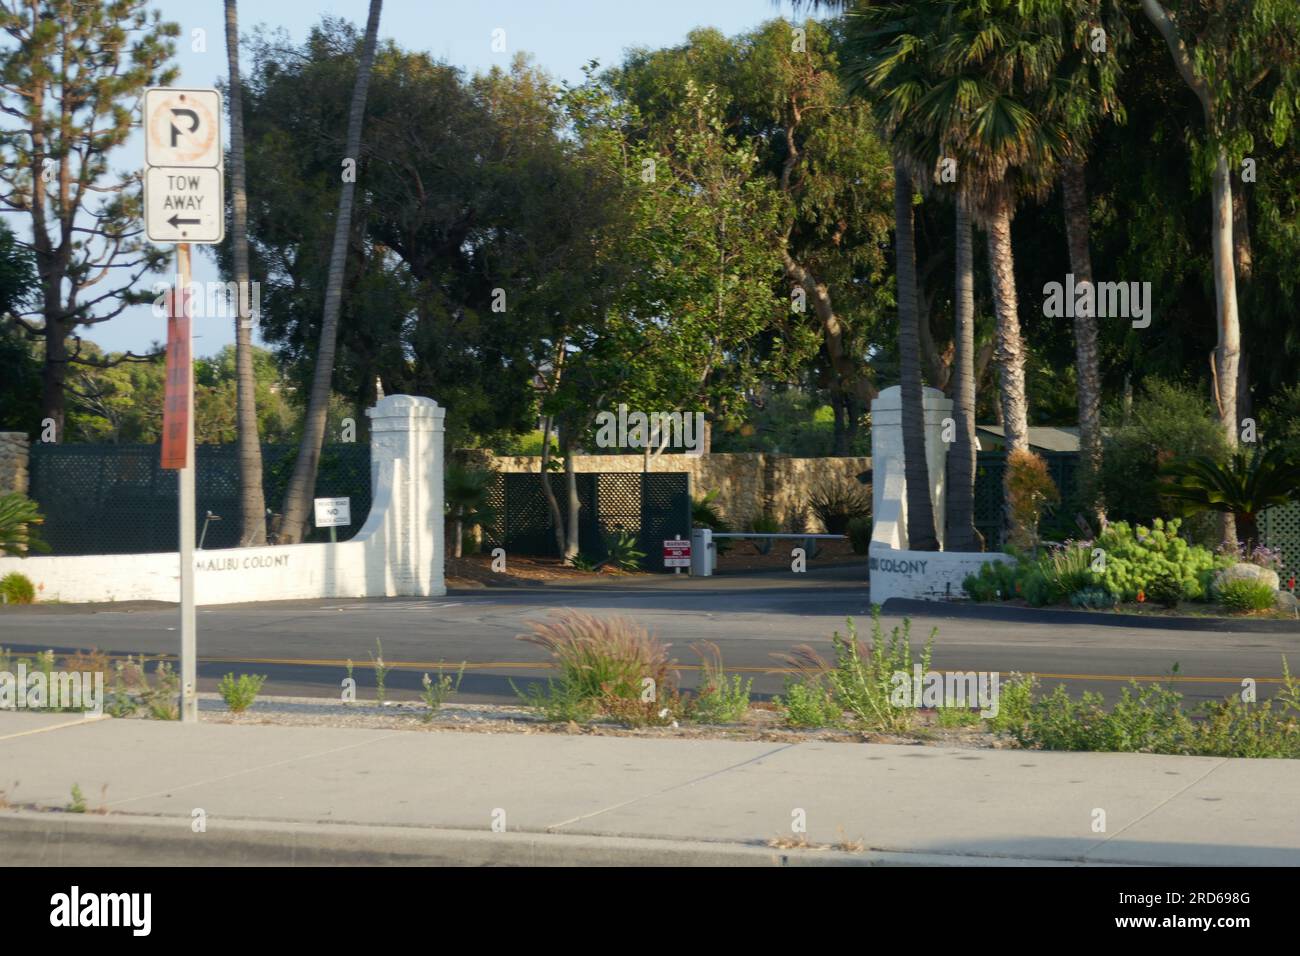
(861, 679)
(1245, 595)
(160, 696)
(240, 693)
(1151, 719)
(608, 667)
(1245, 485)
(809, 703)
(995, 581)
(1137, 558)
(859, 532)
(722, 698)
(1093, 599)
(1166, 422)
(78, 804)
(381, 672)
(1015, 701)
(435, 692)
(836, 502)
(465, 495)
(1166, 590)
(765, 522)
(19, 517)
(622, 551)
(16, 588)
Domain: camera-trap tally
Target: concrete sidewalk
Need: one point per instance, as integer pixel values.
(305, 795)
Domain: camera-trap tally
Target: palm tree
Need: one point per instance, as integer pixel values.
(916, 471)
(1244, 487)
(960, 533)
(465, 491)
(252, 503)
(297, 497)
(971, 83)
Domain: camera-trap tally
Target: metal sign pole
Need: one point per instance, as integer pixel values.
(189, 703)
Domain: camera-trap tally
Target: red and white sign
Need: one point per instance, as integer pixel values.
(677, 554)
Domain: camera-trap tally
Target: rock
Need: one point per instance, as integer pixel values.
(1245, 571)
(1285, 601)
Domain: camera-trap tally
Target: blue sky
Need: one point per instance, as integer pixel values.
(561, 36)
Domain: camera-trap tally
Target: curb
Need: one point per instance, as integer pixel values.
(1040, 615)
(33, 838)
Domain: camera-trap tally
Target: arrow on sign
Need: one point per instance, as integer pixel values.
(193, 126)
(176, 221)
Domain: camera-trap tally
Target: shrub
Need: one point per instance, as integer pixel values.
(1094, 598)
(1244, 595)
(611, 666)
(240, 694)
(1068, 568)
(836, 502)
(764, 523)
(17, 588)
(809, 703)
(1166, 590)
(996, 581)
(1136, 558)
(435, 692)
(160, 696)
(721, 699)
(622, 551)
(19, 517)
(1030, 491)
(1166, 422)
(862, 676)
(859, 532)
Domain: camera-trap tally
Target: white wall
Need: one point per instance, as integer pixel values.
(397, 552)
(895, 570)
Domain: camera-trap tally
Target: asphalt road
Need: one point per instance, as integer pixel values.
(302, 646)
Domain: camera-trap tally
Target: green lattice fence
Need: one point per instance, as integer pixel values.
(651, 507)
(1280, 528)
(115, 499)
(990, 466)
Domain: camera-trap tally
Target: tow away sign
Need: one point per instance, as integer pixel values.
(677, 554)
(183, 182)
(333, 512)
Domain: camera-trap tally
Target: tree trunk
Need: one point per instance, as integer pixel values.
(252, 503)
(458, 527)
(54, 373)
(960, 519)
(567, 446)
(1228, 351)
(1074, 200)
(552, 506)
(916, 472)
(297, 497)
(1010, 352)
(1244, 262)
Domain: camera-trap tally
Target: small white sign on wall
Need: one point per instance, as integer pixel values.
(333, 512)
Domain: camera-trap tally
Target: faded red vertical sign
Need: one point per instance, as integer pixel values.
(178, 390)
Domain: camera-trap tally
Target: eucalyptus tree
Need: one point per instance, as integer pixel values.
(1225, 52)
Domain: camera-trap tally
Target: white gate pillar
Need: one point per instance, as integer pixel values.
(888, 482)
(406, 517)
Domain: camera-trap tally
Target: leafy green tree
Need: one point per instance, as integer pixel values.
(71, 84)
(1245, 486)
(297, 497)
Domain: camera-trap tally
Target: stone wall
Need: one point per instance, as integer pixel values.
(749, 484)
(13, 462)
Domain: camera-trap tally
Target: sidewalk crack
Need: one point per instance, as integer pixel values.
(1159, 806)
(551, 828)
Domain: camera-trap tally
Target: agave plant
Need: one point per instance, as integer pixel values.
(1244, 485)
(18, 519)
